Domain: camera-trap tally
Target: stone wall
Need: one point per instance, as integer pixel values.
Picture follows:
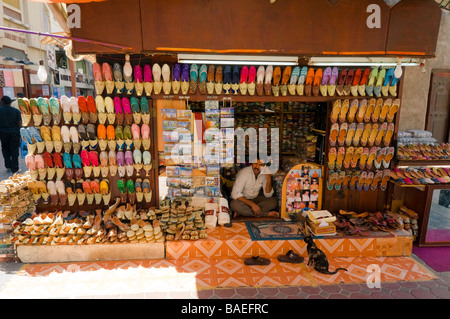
(417, 80)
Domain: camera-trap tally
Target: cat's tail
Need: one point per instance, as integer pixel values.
(327, 272)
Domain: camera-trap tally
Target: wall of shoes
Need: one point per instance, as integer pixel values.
(85, 152)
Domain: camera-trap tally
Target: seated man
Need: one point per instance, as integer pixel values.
(246, 200)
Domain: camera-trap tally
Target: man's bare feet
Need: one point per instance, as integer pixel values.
(273, 214)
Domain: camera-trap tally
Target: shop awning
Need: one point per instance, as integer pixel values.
(287, 27)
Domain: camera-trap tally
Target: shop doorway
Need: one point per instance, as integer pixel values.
(438, 112)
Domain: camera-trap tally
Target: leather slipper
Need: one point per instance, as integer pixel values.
(260, 80)
(356, 80)
(193, 74)
(393, 109)
(293, 80)
(369, 109)
(341, 82)
(340, 157)
(325, 79)
(291, 257)
(316, 82)
(276, 81)
(344, 109)
(371, 81)
(336, 110)
(342, 133)
(348, 82)
(362, 83)
(218, 85)
(285, 80)
(268, 80)
(373, 134)
(363, 158)
(352, 110)
(389, 133)
(243, 80)
(362, 107)
(235, 80)
(358, 134)
(203, 73)
(366, 134)
(332, 83)
(251, 80)
(331, 157)
(148, 83)
(350, 134)
(309, 82)
(257, 261)
(334, 134)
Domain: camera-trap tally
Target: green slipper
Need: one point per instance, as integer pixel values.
(144, 105)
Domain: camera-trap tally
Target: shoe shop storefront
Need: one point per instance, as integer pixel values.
(190, 95)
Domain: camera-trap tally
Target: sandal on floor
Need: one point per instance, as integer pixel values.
(257, 261)
(291, 257)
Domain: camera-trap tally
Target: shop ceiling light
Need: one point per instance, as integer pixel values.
(360, 61)
(237, 59)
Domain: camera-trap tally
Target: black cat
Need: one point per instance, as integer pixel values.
(317, 257)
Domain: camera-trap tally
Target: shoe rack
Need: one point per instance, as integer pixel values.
(352, 199)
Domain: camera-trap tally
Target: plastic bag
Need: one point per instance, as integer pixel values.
(211, 215)
(224, 212)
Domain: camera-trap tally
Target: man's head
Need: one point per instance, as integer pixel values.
(257, 167)
(6, 100)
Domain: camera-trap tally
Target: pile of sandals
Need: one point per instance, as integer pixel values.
(362, 224)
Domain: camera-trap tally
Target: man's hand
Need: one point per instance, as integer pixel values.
(256, 209)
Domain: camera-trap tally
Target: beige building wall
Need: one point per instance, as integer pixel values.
(417, 81)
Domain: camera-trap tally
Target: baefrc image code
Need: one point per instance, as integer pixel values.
(246, 308)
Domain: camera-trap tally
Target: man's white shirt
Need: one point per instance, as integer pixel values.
(248, 186)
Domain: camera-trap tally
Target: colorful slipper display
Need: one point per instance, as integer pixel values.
(360, 138)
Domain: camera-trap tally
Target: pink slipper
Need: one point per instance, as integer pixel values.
(85, 158)
(39, 160)
(93, 157)
(135, 131)
(147, 73)
(97, 70)
(107, 72)
(29, 161)
(145, 131)
(138, 78)
(126, 105)
(119, 110)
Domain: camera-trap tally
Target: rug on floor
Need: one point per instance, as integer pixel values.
(437, 258)
(274, 230)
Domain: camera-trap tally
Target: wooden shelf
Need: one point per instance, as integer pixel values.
(261, 98)
(423, 163)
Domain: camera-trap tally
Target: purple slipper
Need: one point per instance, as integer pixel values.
(326, 76)
(147, 73)
(129, 158)
(176, 72)
(185, 73)
(120, 158)
(334, 76)
(138, 74)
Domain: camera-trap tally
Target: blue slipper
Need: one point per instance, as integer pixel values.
(76, 160)
(67, 159)
(26, 136)
(35, 134)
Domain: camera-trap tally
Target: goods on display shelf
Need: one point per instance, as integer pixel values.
(360, 140)
(421, 151)
(173, 220)
(416, 175)
(245, 80)
(362, 223)
(415, 137)
(15, 201)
